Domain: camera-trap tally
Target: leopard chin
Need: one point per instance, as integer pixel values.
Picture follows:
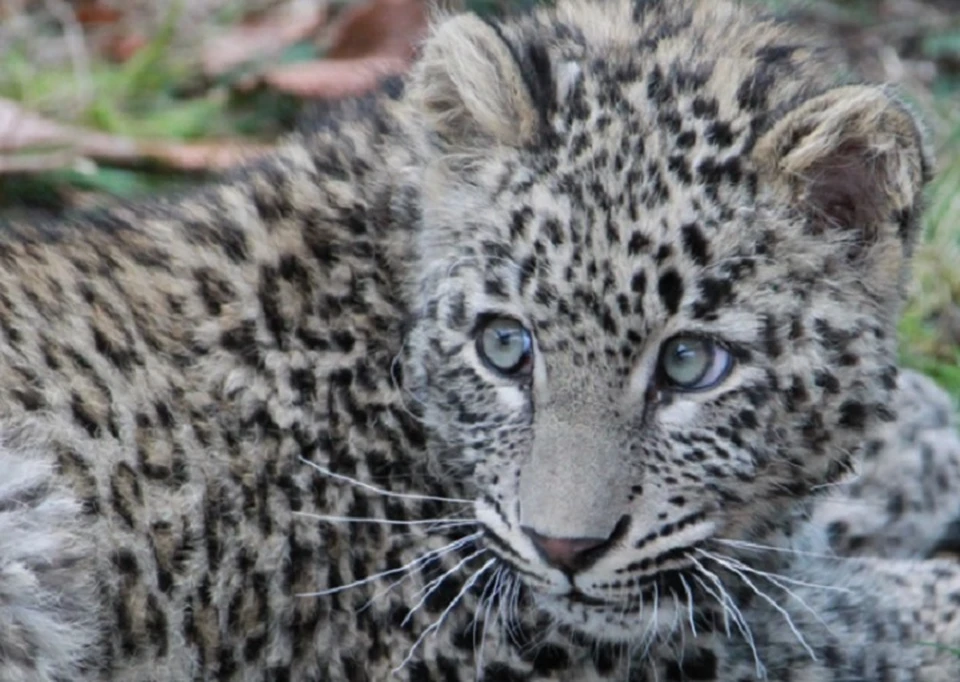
(640, 618)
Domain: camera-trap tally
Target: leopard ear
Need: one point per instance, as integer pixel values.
(470, 87)
(852, 159)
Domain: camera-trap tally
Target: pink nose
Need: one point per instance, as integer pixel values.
(568, 554)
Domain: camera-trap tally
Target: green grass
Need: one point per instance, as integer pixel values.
(157, 94)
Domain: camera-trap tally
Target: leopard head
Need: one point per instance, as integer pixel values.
(660, 264)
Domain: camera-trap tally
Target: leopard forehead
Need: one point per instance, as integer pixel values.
(642, 153)
(640, 195)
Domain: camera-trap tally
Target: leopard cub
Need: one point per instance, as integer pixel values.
(570, 356)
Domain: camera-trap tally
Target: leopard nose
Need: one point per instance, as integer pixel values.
(567, 554)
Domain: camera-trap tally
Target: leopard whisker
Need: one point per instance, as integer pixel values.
(677, 624)
(720, 600)
(434, 585)
(763, 595)
(433, 627)
(406, 568)
(775, 579)
(489, 590)
(790, 581)
(508, 609)
(650, 635)
(378, 490)
(493, 584)
(430, 556)
(686, 588)
(743, 544)
(447, 523)
(725, 600)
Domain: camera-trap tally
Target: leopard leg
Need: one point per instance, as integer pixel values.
(904, 499)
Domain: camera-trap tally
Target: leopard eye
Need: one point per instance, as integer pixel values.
(693, 363)
(506, 346)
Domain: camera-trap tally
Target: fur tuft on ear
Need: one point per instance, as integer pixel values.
(851, 159)
(471, 89)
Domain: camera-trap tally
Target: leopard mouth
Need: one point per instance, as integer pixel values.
(631, 597)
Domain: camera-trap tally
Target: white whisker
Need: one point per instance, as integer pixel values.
(437, 623)
(742, 544)
(686, 588)
(380, 491)
(775, 579)
(738, 618)
(763, 595)
(650, 635)
(495, 583)
(406, 568)
(788, 580)
(434, 584)
(430, 556)
(448, 523)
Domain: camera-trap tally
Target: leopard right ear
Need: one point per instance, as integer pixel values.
(470, 87)
(852, 160)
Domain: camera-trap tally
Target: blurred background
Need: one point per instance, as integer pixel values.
(108, 99)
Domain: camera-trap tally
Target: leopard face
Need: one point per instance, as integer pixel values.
(655, 301)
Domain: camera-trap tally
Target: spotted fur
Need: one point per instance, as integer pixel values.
(247, 433)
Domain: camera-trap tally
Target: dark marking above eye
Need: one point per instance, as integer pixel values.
(695, 244)
(670, 288)
(494, 286)
(714, 292)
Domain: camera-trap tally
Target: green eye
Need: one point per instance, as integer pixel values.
(506, 346)
(693, 363)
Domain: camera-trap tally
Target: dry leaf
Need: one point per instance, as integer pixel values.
(333, 77)
(379, 27)
(368, 42)
(91, 12)
(120, 48)
(30, 143)
(264, 38)
(204, 156)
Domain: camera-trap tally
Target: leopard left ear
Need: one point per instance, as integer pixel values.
(852, 159)
(470, 87)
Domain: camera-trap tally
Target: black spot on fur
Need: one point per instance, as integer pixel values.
(670, 288)
(695, 244)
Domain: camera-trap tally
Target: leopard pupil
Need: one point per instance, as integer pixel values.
(504, 344)
(686, 361)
